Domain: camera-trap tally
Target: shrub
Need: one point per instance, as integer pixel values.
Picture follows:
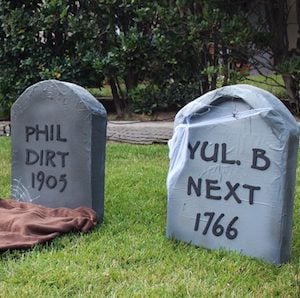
(153, 98)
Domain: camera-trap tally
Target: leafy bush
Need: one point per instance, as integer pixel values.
(182, 48)
(151, 98)
(44, 40)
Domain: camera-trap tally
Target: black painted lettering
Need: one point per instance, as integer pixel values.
(192, 185)
(40, 177)
(39, 132)
(260, 154)
(58, 135)
(193, 149)
(197, 222)
(51, 182)
(49, 158)
(31, 157)
(217, 228)
(232, 192)
(63, 157)
(29, 130)
(51, 132)
(41, 157)
(32, 180)
(41, 180)
(213, 157)
(224, 155)
(210, 186)
(231, 232)
(64, 181)
(211, 216)
(251, 192)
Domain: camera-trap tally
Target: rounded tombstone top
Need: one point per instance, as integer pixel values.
(253, 101)
(233, 159)
(58, 134)
(59, 91)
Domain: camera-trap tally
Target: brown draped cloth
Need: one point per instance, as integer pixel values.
(23, 225)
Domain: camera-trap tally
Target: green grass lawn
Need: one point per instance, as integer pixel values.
(129, 255)
(272, 84)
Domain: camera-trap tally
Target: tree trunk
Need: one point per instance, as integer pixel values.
(123, 97)
(292, 88)
(225, 66)
(292, 81)
(131, 81)
(213, 82)
(204, 84)
(277, 16)
(116, 97)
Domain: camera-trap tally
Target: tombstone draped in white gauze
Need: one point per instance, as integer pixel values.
(231, 179)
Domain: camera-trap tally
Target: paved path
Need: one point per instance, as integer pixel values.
(4, 128)
(135, 132)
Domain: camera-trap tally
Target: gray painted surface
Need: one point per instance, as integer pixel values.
(233, 159)
(58, 147)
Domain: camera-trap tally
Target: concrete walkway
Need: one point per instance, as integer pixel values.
(4, 128)
(134, 132)
(139, 132)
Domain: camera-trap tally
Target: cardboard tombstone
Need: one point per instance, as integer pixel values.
(58, 147)
(233, 159)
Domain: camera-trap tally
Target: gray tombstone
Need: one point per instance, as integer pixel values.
(233, 159)
(58, 147)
